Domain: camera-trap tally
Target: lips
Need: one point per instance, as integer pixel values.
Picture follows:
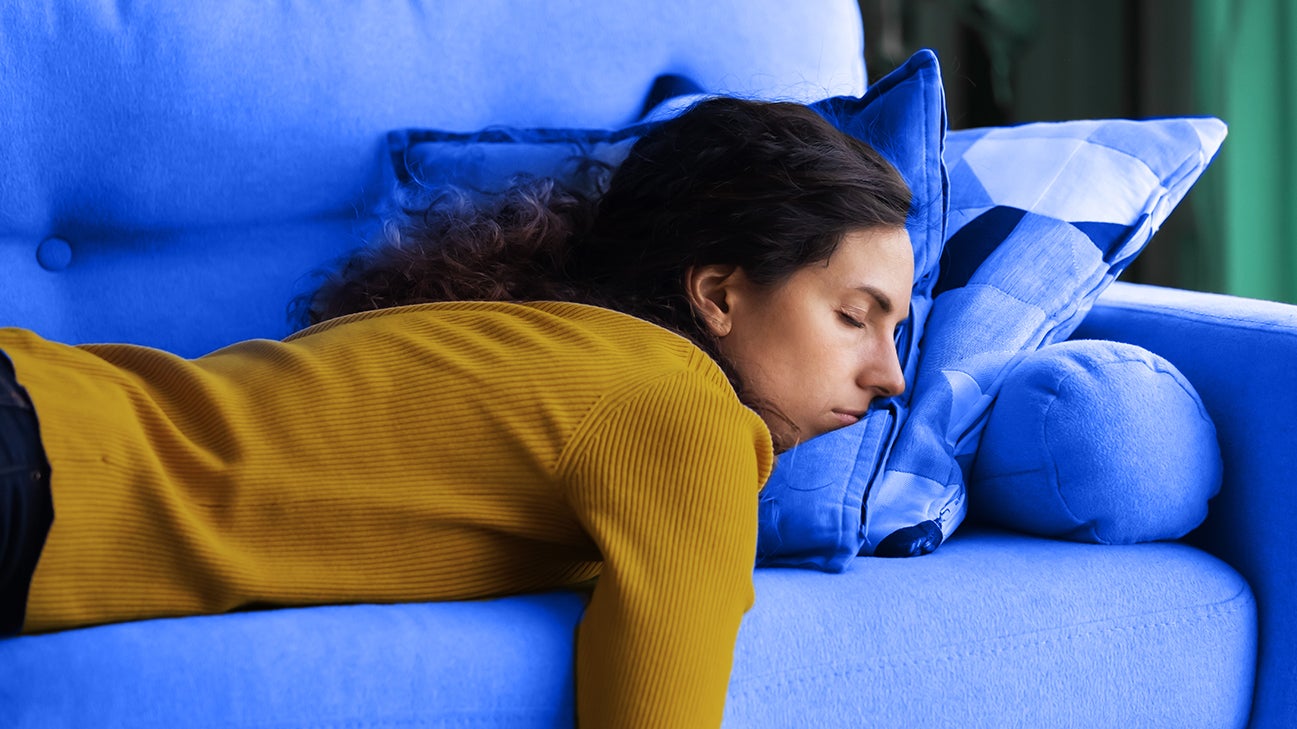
(848, 417)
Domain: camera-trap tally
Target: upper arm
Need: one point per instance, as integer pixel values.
(666, 482)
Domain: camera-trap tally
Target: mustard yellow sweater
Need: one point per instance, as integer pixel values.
(432, 452)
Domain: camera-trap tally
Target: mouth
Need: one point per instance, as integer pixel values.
(848, 417)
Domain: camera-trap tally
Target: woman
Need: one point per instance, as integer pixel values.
(502, 398)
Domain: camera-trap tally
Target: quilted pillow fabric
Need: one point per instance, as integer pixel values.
(1042, 218)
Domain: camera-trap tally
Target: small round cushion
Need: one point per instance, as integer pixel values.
(1096, 441)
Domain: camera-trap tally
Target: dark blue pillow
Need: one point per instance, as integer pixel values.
(811, 508)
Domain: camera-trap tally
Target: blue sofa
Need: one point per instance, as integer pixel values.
(172, 173)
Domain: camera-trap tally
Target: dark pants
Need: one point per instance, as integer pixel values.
(26, 507)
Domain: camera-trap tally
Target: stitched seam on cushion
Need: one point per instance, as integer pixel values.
(816, 674)
(1182, 382)
(931, 161)
(1161, 180)
(1053, 462)
(1084, 141)
(1047, 186)
(1008, 295)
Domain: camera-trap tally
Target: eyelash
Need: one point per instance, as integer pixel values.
(851, 320)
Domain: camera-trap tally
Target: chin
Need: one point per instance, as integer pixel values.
(784, 433)
(784, 440)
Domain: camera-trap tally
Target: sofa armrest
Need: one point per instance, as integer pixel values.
(1241, 355)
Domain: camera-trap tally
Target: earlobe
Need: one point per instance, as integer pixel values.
(710, 289)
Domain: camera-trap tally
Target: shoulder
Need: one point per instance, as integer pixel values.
(683, 429)
(589, 362)
(604, 345)
(548, 316)
(683, 385)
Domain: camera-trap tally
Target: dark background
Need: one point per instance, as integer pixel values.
(1014, 61)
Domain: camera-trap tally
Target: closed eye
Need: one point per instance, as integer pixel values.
(851, 320)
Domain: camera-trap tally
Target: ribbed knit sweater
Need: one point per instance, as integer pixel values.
(431, 452)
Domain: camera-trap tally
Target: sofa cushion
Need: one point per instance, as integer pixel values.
(172, 170)
(997, 629)
(992, 630)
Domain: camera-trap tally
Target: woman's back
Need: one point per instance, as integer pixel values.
(441, 439)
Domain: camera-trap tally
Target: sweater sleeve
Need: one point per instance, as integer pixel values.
(666, 482)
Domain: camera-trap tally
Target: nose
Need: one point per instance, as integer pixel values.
(882, 373)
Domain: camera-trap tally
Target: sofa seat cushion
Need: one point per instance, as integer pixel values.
(993, 630)
(997, 629)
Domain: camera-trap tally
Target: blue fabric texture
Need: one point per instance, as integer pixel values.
(997, 630)
(994, 629)
(1096, 441)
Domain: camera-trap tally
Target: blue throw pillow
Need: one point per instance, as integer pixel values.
(1099, 442)
(811, 509)
(1042, 218)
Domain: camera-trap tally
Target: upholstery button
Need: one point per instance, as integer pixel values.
(54, 254)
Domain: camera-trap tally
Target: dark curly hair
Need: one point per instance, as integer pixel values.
(768, 186)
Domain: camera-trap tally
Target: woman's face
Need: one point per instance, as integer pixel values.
(820, 347)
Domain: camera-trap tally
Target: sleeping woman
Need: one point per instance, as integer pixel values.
(501, 396)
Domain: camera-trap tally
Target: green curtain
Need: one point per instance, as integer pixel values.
(1246, 73)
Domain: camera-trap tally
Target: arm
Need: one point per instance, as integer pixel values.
(665, 482)
(1241, 356)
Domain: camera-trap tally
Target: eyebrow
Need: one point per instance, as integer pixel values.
(884, 303)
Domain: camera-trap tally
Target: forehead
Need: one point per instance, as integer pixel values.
(879, 257)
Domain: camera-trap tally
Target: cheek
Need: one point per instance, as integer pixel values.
(764, 358)
(792, 367)
(783, 348)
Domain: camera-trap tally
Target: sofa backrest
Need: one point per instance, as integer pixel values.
(171, 172)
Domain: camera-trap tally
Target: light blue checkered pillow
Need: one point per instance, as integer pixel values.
(1042, 217)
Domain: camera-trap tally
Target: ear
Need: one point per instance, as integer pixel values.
(710, 290)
